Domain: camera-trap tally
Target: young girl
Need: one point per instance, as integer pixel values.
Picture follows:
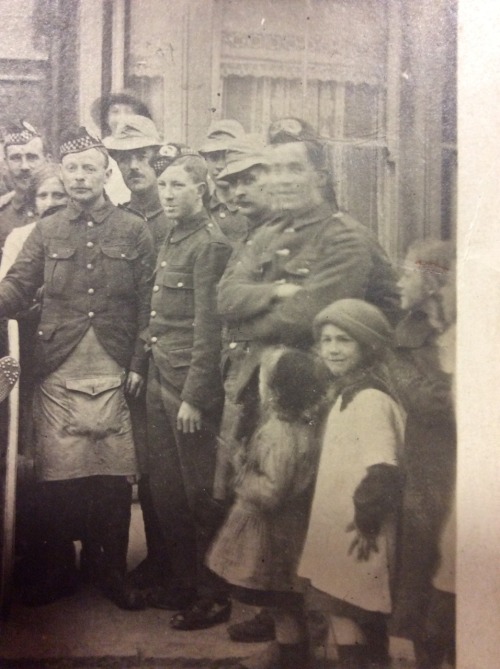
(349, 544)
(258, 547)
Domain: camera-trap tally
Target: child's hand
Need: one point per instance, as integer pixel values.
(362, 544)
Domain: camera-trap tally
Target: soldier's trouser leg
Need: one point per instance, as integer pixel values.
(109, 500)
(181, 467)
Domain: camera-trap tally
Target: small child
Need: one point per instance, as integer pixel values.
(350, 541)
(258, 548)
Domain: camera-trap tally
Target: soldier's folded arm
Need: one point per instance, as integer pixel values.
(198, 388)
(24, 278)
(343, 270)
(239, 295)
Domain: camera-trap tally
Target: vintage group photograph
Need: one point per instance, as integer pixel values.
(228, 390)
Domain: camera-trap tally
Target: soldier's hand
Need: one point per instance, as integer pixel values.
(284, 290)
(134, 384)
(188, 418)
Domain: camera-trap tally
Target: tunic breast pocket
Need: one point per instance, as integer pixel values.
(177, 292)
(118, 264)
(59, 269)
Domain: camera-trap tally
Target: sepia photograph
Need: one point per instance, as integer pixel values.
(230, 236)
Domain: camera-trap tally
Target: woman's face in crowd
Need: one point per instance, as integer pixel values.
(341, 353)
(180, 196)
(295, 183)
(50, 193)
(411, 285)
(116, 112)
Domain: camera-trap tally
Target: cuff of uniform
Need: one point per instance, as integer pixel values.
(139, 364)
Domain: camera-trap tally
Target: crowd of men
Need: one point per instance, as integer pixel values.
(150, 320)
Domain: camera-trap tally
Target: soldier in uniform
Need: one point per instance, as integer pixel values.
(184, 394)
(309, 256)
(220, 136)
(24, 153)
(134, 146)
(95, 262)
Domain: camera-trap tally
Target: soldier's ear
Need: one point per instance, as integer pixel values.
(109, 171)
(201, 188)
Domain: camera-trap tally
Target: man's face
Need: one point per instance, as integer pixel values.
(295, 183)
(22, 161)
(116, 113)
(134, 165)
(179, 194)
(412, 285)
(216, 162)
(85, 175)
(249, 190)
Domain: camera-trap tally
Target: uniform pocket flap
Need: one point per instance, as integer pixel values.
(180, 280)
(120, 252)
(94, 386)
(180, 357)
(46, 331)
(60, 252)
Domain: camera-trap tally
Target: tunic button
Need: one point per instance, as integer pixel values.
(54, 255)
(90, 245)
(90, 266)
(153, 314)
(154, 340)
(122, 255)
(222, 214)
(180, 284)
(163, 263)
(90, 224)
(40, 332)
(233, 345)
(91, 314)
(91, 291)
(156, 289)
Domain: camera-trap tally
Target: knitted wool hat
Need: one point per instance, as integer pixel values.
(362, 321)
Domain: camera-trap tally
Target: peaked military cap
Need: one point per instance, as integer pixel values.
(75, 141)
(291, 129)
(19, 133)
(221, 134)
(243, 154)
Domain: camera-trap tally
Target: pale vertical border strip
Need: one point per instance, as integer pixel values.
(118, 46)
(185, 55)
(478, 335)
(90, 58)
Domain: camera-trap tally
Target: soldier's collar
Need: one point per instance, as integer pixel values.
(314, 215)
(98, 215)
(217, 203)
(151, 210)
(20, 202)
(184, 229)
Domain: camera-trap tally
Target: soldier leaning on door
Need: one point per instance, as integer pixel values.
(94, 261)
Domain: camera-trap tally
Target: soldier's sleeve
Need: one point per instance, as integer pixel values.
(21, 282)
(203, 379)
(241, 295)
(342, 270)
(144, 268)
